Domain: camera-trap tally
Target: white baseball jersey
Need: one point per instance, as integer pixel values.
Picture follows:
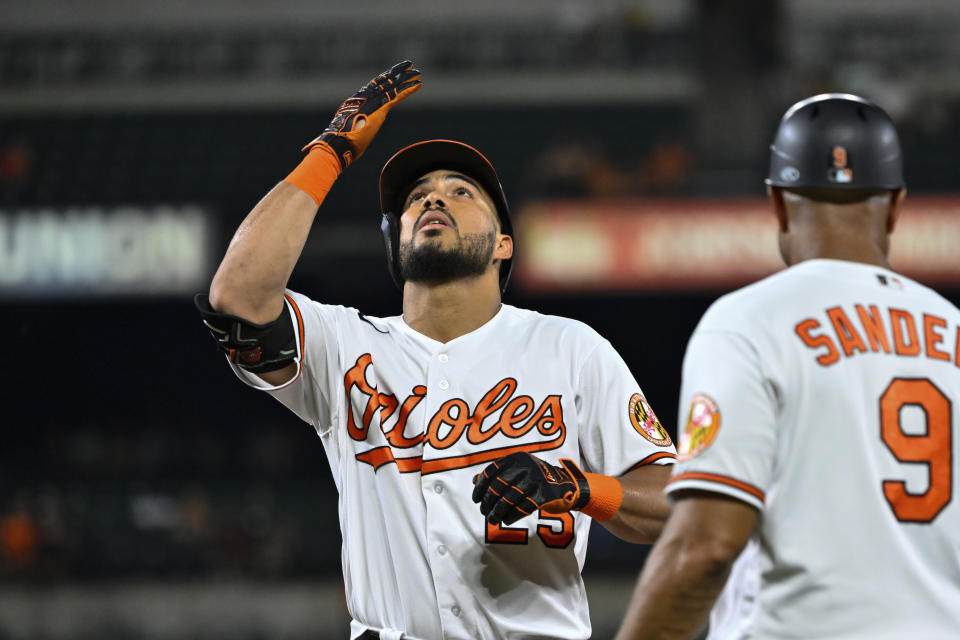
(407, 422)
(828, 397)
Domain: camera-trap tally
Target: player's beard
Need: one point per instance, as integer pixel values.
(431, 263)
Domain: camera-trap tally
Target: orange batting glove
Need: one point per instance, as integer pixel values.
(359, 117)
(519, 484)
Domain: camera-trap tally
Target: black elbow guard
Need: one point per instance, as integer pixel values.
(258, 348)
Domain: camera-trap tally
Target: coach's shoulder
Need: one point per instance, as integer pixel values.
(750, 308)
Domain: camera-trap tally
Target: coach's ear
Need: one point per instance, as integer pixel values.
(779, 209)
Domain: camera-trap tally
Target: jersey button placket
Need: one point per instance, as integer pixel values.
(438, 501)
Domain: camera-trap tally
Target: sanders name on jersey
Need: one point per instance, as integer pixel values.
(865, 328)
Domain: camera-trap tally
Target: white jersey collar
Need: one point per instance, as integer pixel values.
(480, 331)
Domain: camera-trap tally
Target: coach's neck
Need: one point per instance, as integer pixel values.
(447, 310)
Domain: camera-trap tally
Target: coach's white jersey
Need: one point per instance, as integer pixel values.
(828, 397)
(407, 422)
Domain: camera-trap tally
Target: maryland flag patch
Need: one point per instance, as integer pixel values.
(703, 422)
(645, 421)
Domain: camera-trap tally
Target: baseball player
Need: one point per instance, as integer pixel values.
(471, 442)
(821, 450)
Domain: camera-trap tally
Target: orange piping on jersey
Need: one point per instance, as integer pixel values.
(900, 318)
(873, 327)
(803, 329)
(846, 332)
(300, 339)
(931, 337)
(653, 457)
(380, 456)
(296, 311)
(720, 479)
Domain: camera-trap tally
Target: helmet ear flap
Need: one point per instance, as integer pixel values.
(390, 228)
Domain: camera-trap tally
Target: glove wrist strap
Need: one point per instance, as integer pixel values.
(606, 495)
(316, 173)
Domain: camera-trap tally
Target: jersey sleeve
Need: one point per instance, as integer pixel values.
(618, 428)
(310, 393)
(727, 436)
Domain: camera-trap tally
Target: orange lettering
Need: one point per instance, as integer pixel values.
(803, 330)
(492, 401)
(873, 326)
(898, 319)
(388, 404)
(957, 347)
(355, 378)
(450, 422)
(549, 417)
(517, 411)
(847, 334)
(395, 435)
(444, 416)
(931, 337)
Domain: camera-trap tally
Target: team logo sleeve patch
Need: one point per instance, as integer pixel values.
(703, 422)
(645, 421)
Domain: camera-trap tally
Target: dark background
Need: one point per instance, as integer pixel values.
(133, 461)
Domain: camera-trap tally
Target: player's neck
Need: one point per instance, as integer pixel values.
(829, 249)
(447, 311)
(853, 233)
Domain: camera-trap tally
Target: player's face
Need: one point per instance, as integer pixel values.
(443, 201)
(449, 229)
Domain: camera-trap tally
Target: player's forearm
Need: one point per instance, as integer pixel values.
(254, 272)
(677, 588)
(644, 509)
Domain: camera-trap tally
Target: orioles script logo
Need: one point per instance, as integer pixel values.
(499, 411)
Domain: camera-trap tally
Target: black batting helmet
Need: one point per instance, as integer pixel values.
(410, 163)
(836, 141)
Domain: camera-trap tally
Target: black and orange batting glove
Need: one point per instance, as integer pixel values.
(358, 119)
(353, 127)
(520, 484)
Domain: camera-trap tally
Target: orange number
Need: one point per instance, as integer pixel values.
(499, 534)
(932, 449)
(839, 157)
(555, 529)
(558, 539)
